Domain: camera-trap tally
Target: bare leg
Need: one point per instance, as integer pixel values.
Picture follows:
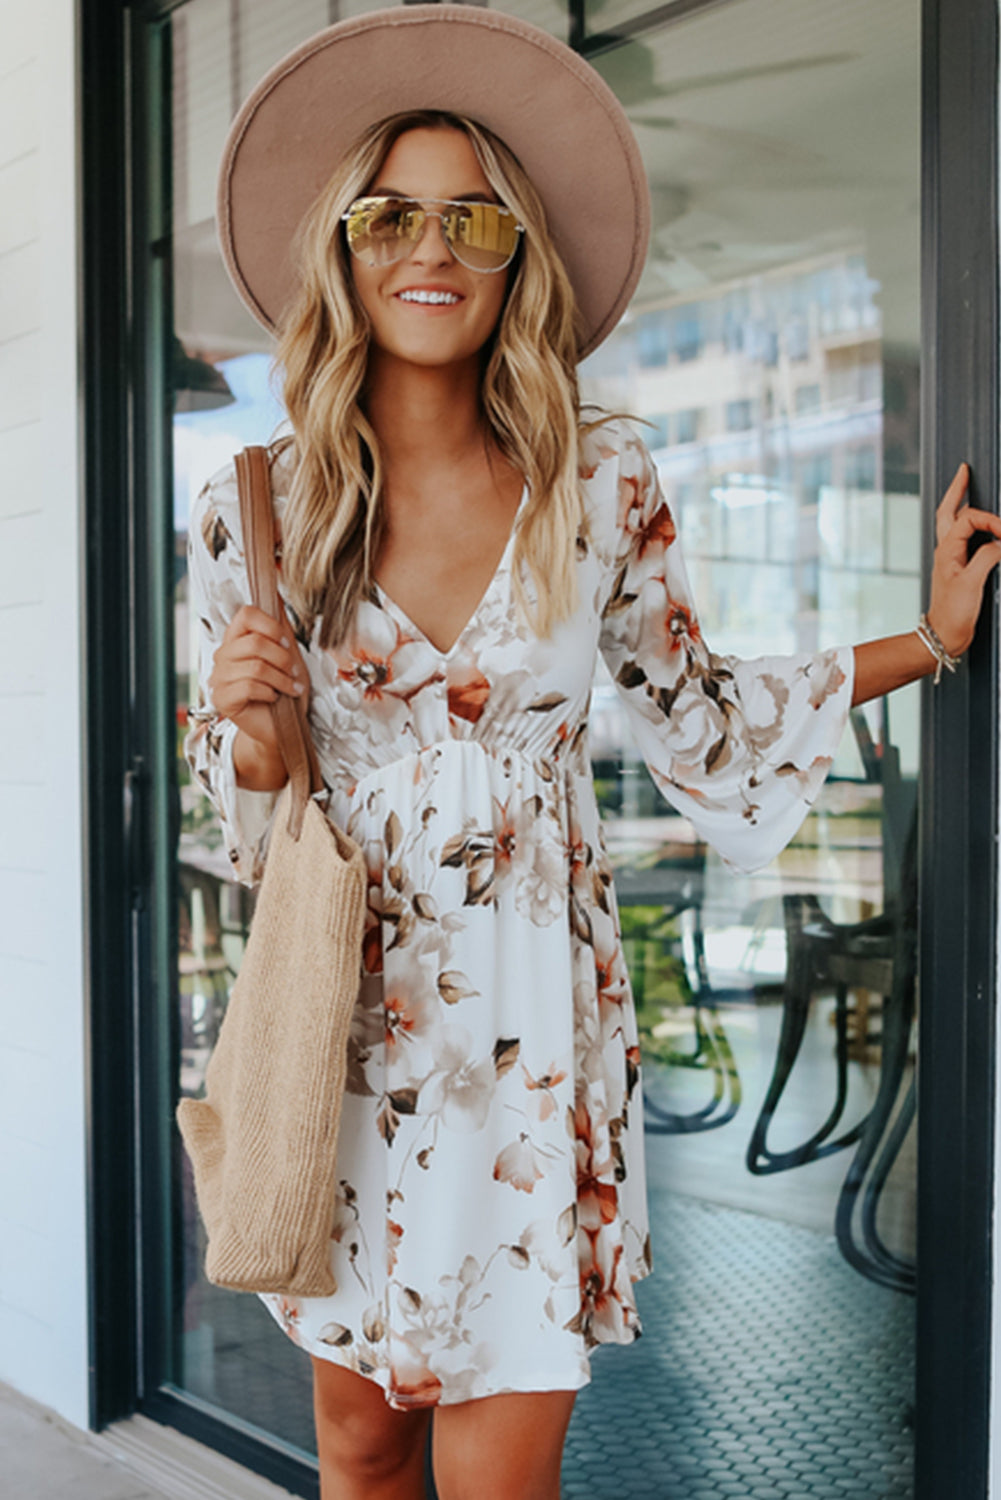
(502, 1447)
(367, 1450)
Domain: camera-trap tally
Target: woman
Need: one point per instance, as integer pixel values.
(455, 548)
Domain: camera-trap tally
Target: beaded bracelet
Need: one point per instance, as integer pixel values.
(927, 636)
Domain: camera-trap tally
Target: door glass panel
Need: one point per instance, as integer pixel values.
(774, 348)
(773, 351)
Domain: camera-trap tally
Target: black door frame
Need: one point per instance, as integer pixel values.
(959, 815)
(126, 1131)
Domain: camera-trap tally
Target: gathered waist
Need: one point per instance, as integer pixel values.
(569, 757)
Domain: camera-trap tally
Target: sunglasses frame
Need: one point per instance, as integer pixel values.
(422, 203)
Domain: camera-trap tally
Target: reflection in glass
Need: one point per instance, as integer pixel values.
(780, 305)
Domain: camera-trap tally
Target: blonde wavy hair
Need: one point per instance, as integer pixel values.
(334, 518)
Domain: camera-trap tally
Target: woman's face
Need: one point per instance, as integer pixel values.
(430, 163)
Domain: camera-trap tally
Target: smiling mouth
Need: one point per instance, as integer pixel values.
(432, 299)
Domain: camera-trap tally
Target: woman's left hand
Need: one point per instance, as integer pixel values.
(958, 579)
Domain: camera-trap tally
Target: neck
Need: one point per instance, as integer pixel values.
(421, 415)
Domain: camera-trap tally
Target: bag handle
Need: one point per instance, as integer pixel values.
(253, 476)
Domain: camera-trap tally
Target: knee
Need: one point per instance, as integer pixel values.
(368, 1451)
(515, 1438)
(357, 1434)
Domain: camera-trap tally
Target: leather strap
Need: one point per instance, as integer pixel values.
(253, 475)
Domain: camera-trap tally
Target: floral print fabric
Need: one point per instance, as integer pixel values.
(491, 1216)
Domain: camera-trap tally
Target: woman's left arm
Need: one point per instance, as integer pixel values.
(957, 588)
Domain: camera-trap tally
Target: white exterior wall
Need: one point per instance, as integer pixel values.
(43, 1244)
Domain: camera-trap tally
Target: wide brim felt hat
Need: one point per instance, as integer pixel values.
(546, 103)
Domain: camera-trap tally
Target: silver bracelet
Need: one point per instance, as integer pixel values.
(927, 636)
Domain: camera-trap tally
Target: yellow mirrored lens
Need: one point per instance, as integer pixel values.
(483, 236)
(485, 229)
(384, 229)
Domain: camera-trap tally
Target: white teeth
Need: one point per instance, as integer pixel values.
(446, 297)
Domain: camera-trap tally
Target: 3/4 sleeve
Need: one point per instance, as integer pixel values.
(739, 747)
(217, 587)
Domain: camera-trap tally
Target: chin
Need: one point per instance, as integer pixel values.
(426, 355)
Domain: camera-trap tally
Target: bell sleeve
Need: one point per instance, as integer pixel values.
(217, 587)
(740, 747)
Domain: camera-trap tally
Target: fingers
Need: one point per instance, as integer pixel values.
(970, 521)
(249, 618)
(253, 635)
(983, 560)
(234, 675)
(256, 661)
(248, 690)
(252, 646)
(951, 502)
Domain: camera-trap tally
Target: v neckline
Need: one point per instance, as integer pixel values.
(390, 604)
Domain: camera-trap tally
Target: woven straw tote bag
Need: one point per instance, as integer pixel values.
(263, 1139)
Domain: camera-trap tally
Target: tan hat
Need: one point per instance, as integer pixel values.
(545, 102)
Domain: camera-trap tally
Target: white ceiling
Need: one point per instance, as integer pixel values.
(775, 130)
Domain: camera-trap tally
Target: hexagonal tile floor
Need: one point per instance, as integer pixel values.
(767, 1370)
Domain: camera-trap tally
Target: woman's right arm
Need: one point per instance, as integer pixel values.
(243, 664)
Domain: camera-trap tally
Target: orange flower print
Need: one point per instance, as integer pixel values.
(646, 530)
(505, 839)
(486, 854)
(382, 669)
(578, 853)
(489, 1213)
(545, 1105)
(631, 492)
(410, 1006)
(680, 626)
(658, 532)
(610, 973)
(597, 1198)
(412, 1382)
(468, 690)
(394, 1234)
(371, 948)
(606, 1313)
(290, 1312)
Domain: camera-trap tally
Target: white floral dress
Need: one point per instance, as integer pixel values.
(491, 1215)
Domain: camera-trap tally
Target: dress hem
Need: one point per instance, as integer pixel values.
(540, 1383)
(535, 1382)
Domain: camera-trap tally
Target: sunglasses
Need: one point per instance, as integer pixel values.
(481, 236)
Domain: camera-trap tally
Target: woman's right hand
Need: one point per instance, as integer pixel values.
(257, 660)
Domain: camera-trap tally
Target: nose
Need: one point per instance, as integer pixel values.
(432, 248)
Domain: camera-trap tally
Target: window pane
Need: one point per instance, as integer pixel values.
(764, 1000)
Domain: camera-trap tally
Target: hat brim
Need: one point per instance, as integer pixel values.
(546, 103)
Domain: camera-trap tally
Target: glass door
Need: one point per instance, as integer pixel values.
(773, 354)
(774, 350)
